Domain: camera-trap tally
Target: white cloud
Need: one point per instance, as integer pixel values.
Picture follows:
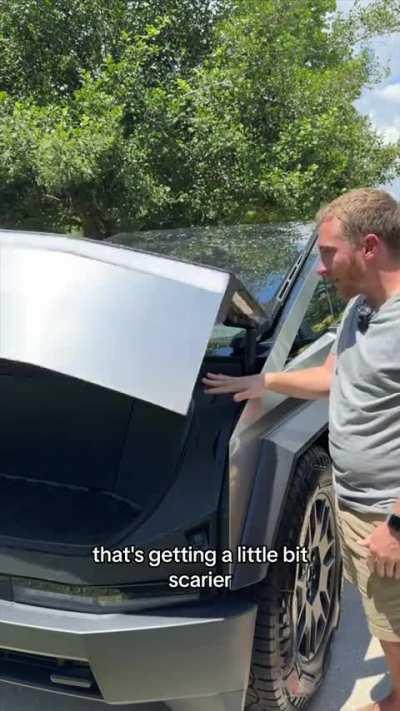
(390, 93)
(390, 133)
(393, 188)
(382, 106)
(382, 103)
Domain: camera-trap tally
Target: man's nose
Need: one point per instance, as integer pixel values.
(321, 270)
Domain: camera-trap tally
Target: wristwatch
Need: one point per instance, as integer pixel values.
(393, 521)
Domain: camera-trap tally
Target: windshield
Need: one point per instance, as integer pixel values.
(259, 255)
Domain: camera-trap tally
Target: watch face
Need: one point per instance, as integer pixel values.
(394, 522)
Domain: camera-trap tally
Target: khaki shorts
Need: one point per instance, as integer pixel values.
(380, 596)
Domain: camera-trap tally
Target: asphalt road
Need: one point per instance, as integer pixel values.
(356, 674)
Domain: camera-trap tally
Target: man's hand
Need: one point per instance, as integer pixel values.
(384, 551)
(245, 387)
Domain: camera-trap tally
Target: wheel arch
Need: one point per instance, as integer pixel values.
(279, 454)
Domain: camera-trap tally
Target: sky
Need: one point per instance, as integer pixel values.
(382, 103)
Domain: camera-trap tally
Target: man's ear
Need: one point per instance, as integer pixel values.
(371, 243)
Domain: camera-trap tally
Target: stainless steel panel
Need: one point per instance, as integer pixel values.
(303, 422)
(186, 652)
(129, 321)
(246, 440)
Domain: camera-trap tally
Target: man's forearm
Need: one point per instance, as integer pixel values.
(307, 384)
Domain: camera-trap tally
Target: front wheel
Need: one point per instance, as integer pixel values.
(299, 603)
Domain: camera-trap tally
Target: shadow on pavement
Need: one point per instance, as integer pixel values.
(357, 672)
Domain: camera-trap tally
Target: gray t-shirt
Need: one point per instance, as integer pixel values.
(364, 409)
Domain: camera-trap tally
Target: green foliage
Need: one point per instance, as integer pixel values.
(278, 94)
(46, 44)
(143, 114)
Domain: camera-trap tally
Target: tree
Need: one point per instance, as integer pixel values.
(84, 93)
(171, 112)
(277, 131)
(46, 44)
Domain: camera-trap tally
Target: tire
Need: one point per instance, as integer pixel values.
(298, 603)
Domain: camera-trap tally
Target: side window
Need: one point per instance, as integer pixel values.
(323, 311)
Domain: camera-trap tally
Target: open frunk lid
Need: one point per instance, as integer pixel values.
(128, 320)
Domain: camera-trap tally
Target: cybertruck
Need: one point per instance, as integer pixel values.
(114, 462)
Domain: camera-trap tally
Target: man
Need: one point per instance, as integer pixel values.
(359, 245)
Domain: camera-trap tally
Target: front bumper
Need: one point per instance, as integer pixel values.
(194, 656)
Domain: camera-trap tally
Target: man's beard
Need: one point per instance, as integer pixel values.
(350, 283)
